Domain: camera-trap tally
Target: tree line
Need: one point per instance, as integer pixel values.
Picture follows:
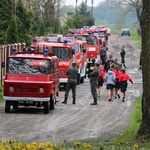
(20, 20)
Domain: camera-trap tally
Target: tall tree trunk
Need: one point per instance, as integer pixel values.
(144, 131)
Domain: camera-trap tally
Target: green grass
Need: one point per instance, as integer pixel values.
(1, 94)
(136, 38)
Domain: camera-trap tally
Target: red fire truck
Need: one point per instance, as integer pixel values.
(93, 46)
(32, 79)
(67, 50)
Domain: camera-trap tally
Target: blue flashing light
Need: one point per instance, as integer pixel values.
(70, 31)
(14, 50)
(65, 41)
(75, 36)
(51, 35)
(92, 32)
(45, 52)
(34, 40)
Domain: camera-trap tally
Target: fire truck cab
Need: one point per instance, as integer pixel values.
(32, 79)
(67, 50)
(92, 45)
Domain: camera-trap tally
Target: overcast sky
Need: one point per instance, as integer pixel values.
(73, 2)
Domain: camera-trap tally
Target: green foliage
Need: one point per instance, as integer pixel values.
(12, 32)
(24, 19)
(42, 29)
(1, 94)
(129, 135)
(5, 18)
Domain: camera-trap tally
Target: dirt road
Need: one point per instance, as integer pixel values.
(81, 121)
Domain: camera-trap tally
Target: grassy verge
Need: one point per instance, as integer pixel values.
(124, 141)
(1, 94)
(136, 38)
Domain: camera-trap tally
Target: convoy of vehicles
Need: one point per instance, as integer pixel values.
(95, 42)
(67, 50)
(35, 74)
(32, 79)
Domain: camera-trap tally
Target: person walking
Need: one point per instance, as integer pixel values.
(116, 63)
(108, 63)
(91, 66)
(103, 55)
(100, 79)
(122, 54)
(93, 76)
(110, 80)
(71, 83)
(124, 77)
(117, 84)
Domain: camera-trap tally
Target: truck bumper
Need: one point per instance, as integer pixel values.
(36, 99)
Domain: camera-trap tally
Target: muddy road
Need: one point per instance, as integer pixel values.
(81, 121)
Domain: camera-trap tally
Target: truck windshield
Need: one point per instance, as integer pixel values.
(61, 53)
(29, 66)
(91, 40)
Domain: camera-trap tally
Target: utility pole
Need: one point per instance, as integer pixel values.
(14, 7)
(76, 6)
(86, 6)
(58, 14)
(92, 8)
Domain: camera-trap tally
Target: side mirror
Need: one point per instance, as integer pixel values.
(2, 64)
(84, 50)
(73, 51)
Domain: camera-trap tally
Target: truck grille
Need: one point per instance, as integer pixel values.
(21, 89)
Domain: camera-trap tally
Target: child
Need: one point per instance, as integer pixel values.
(124, 77)
(100, 79)
(117, 85)
(110, 80)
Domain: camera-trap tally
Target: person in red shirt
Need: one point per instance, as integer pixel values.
(117, 85)
(124, 77)
(100, 79)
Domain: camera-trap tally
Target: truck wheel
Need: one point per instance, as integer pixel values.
(7, 106)
(46, 107)
(78, 80)
(52, 103)
(15, 105)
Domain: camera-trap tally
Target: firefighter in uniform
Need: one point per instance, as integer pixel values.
(93, 82)
(122, 54)
(71, 83)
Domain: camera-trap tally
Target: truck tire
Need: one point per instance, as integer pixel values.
(46, 107)
(52, 103)
(15, 105)
(7, 106)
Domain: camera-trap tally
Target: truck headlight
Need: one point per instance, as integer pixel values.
(41, 90)
(11, 89)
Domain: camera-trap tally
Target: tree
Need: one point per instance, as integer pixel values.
(12, 32)
(5, 18)
(144, 131)
(24, 19)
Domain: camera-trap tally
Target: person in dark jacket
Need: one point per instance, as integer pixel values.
(71, 83)
(91, 66)
(108, 63)
(122, 54)
(93, 83)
